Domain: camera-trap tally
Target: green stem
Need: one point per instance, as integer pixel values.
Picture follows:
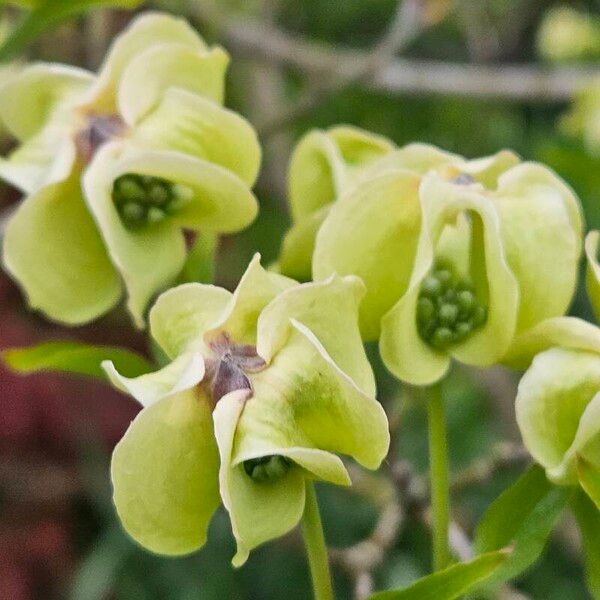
(316, 549)
(440, 489)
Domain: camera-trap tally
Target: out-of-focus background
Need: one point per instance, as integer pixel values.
(470, 76)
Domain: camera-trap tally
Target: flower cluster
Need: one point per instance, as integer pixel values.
(457, 255)
(114, 166)
(265, 385)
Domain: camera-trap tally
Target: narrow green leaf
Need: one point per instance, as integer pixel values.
(46, 14)
(200, 263)
(522, 517)
(588, 518)
(589, 477)
(74, 357)
(451, 582)
(98, 572)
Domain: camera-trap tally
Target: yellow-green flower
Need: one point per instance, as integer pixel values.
(266, 384)
(458, 256)
(567, 34)
(114, 166)
(593, 271)
(323, 165)
(558, 404)
(583, 119)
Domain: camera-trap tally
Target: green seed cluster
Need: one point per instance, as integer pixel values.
(267, 468)
(141, 199)
(447, 310)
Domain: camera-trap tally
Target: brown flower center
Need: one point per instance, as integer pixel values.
(98, 130)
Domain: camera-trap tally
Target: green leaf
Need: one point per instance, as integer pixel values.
(451, 582)
(589, 478)
(46, 14)
(199, 266)
(522, 517)
(74, 357)
(588, 518)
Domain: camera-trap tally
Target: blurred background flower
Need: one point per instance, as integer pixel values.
(471, 77)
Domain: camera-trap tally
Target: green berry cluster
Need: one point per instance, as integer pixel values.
(267, 468)
(142, 199)
(447, 310)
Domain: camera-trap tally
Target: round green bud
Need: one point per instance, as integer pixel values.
(425, 310)
(442, 338)
(267, 468)
(448, 313)
(479, 315)
(431, 286)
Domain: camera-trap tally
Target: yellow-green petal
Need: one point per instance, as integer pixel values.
(324, 163)
(148, 260)
(148, 30)
(487, 170)
(216, 199)
(593, 271)
(330, 310)
(295, 258)
(402, 349)
(541, 231)
(563, 332)
(52, 248)
(557, 409)
(191, 124)
(153, 71)
(256, 289)
(372, 232)
(29, 99)
(185, 372)
(259, 512)
(181, 315)
(165, 475)
(303, 399)
(44, 159)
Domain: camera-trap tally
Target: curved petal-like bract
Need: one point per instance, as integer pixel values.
(38, 251)
(558, 405)
(152, 148)
(457, 255)
(165, 474)
(593, 271)
(282, 368)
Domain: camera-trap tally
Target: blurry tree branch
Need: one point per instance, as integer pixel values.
(407, 75)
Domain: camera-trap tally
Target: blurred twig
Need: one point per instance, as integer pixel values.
(408, 76)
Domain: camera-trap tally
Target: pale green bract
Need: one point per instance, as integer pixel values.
(266, 385)
(558, 403)
(593, 271)
(152, 117)
(324, 164)
(498, 232)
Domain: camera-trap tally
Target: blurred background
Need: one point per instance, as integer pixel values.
(472, 77)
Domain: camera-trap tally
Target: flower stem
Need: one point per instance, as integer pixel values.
(438, 467)
(316, 549)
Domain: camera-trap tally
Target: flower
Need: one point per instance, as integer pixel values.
(115, 166)
(568, 35)
(323, 165)
(558, 404)
(265, 384)
(593, 271)
(583, 119)
(457, 256)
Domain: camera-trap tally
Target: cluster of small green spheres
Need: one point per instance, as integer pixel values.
(267, 468)
(447, 310)
(142, 199)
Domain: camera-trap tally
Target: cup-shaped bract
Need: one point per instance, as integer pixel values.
(266, 386)
(324, 164)
(558, 404)
(115, 166)
(457, 256)
(593, 271)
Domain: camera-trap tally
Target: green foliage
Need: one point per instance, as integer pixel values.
(588, 519)
(74, 357)
(451, 582)
(47, 14)
(522, 517)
